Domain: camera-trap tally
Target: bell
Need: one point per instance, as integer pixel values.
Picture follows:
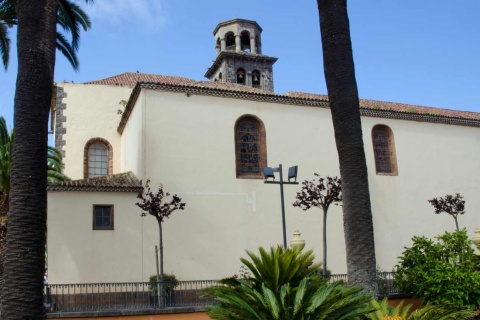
(255, 78)
(240, 75)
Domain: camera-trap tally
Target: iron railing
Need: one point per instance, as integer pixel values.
(124, 295)
(140, 295)
(385, 282)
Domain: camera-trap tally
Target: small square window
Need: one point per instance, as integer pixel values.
(102, 217)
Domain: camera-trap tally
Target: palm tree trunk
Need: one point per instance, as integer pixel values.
(344, 104)
(22, 296)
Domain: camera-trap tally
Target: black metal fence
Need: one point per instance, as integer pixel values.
(125, 295)
(140, 295)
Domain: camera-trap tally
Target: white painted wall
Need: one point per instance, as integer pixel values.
(189, 147)
(133, 147)
(91, 112)
(77, 253)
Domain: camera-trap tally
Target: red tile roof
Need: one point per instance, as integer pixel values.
(394, 106)
(130, 79)
(121, 182)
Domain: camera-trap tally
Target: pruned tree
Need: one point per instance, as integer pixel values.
(321, 194)
(157, 205)
(453, 205)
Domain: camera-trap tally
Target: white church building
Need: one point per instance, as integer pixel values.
(207, 141)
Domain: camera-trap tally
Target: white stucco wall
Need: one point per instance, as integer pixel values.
(77, 253)
(133, 147)
(187, 143)
(91, 111)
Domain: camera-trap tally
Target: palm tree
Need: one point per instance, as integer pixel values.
(70, 18)
(344, 105)
(22, 294)
(55, 166)
(286, 285)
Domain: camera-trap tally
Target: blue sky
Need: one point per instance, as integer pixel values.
(417, 52)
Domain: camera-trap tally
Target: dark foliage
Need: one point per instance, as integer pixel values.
(155, 203)
(453, 205)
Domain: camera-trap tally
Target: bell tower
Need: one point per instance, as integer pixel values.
(239, 55)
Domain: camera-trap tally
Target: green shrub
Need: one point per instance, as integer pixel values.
(445, 311)
(169, 283)
(441, 270)
(285, 284)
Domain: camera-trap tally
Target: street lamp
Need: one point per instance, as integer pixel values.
(268, 172)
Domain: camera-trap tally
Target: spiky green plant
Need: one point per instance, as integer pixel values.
(445, 311)
(384, 309)
(285, 284)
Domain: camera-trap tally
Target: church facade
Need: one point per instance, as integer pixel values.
(207, 142)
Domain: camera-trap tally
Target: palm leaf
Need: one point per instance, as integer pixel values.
(445, 311)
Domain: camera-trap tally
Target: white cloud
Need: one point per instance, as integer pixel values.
(149, 13)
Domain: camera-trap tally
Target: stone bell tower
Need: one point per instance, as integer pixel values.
(239, 55)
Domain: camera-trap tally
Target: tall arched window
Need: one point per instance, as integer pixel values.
(250, 147)
(384, 150)
(98, 156)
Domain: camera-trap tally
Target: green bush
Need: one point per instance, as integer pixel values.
(285, 284)
(441, 270)
(169, 283)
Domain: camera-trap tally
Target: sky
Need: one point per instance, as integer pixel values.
(416, 52)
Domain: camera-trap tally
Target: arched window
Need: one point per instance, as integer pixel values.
(230, 41)
(98, 156)
(245, 41)
(241, 76)
(250, 147)
(384, 150)
(255, 79)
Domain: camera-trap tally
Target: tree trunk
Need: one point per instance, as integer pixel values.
(3, 238)
(324, 273)
(456, 221)
(344, 104)
(22, 296)
(160, 242)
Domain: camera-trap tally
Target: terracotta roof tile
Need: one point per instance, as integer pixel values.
(129, 79)
(121, 182)
(393, 106)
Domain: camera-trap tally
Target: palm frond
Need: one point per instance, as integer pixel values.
(4, 45)
(67, 50)
(71, 17)
(445, 311)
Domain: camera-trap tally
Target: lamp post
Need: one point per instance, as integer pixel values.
(268, 172)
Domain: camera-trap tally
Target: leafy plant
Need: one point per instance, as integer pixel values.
(320, 194)
(453, 205)
(170, 282)
(281, 288)
(441, 270)
(445, 311)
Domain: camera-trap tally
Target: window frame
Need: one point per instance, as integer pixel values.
(86, 150)
(262, 153)
(391, 149)
(112, 216)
